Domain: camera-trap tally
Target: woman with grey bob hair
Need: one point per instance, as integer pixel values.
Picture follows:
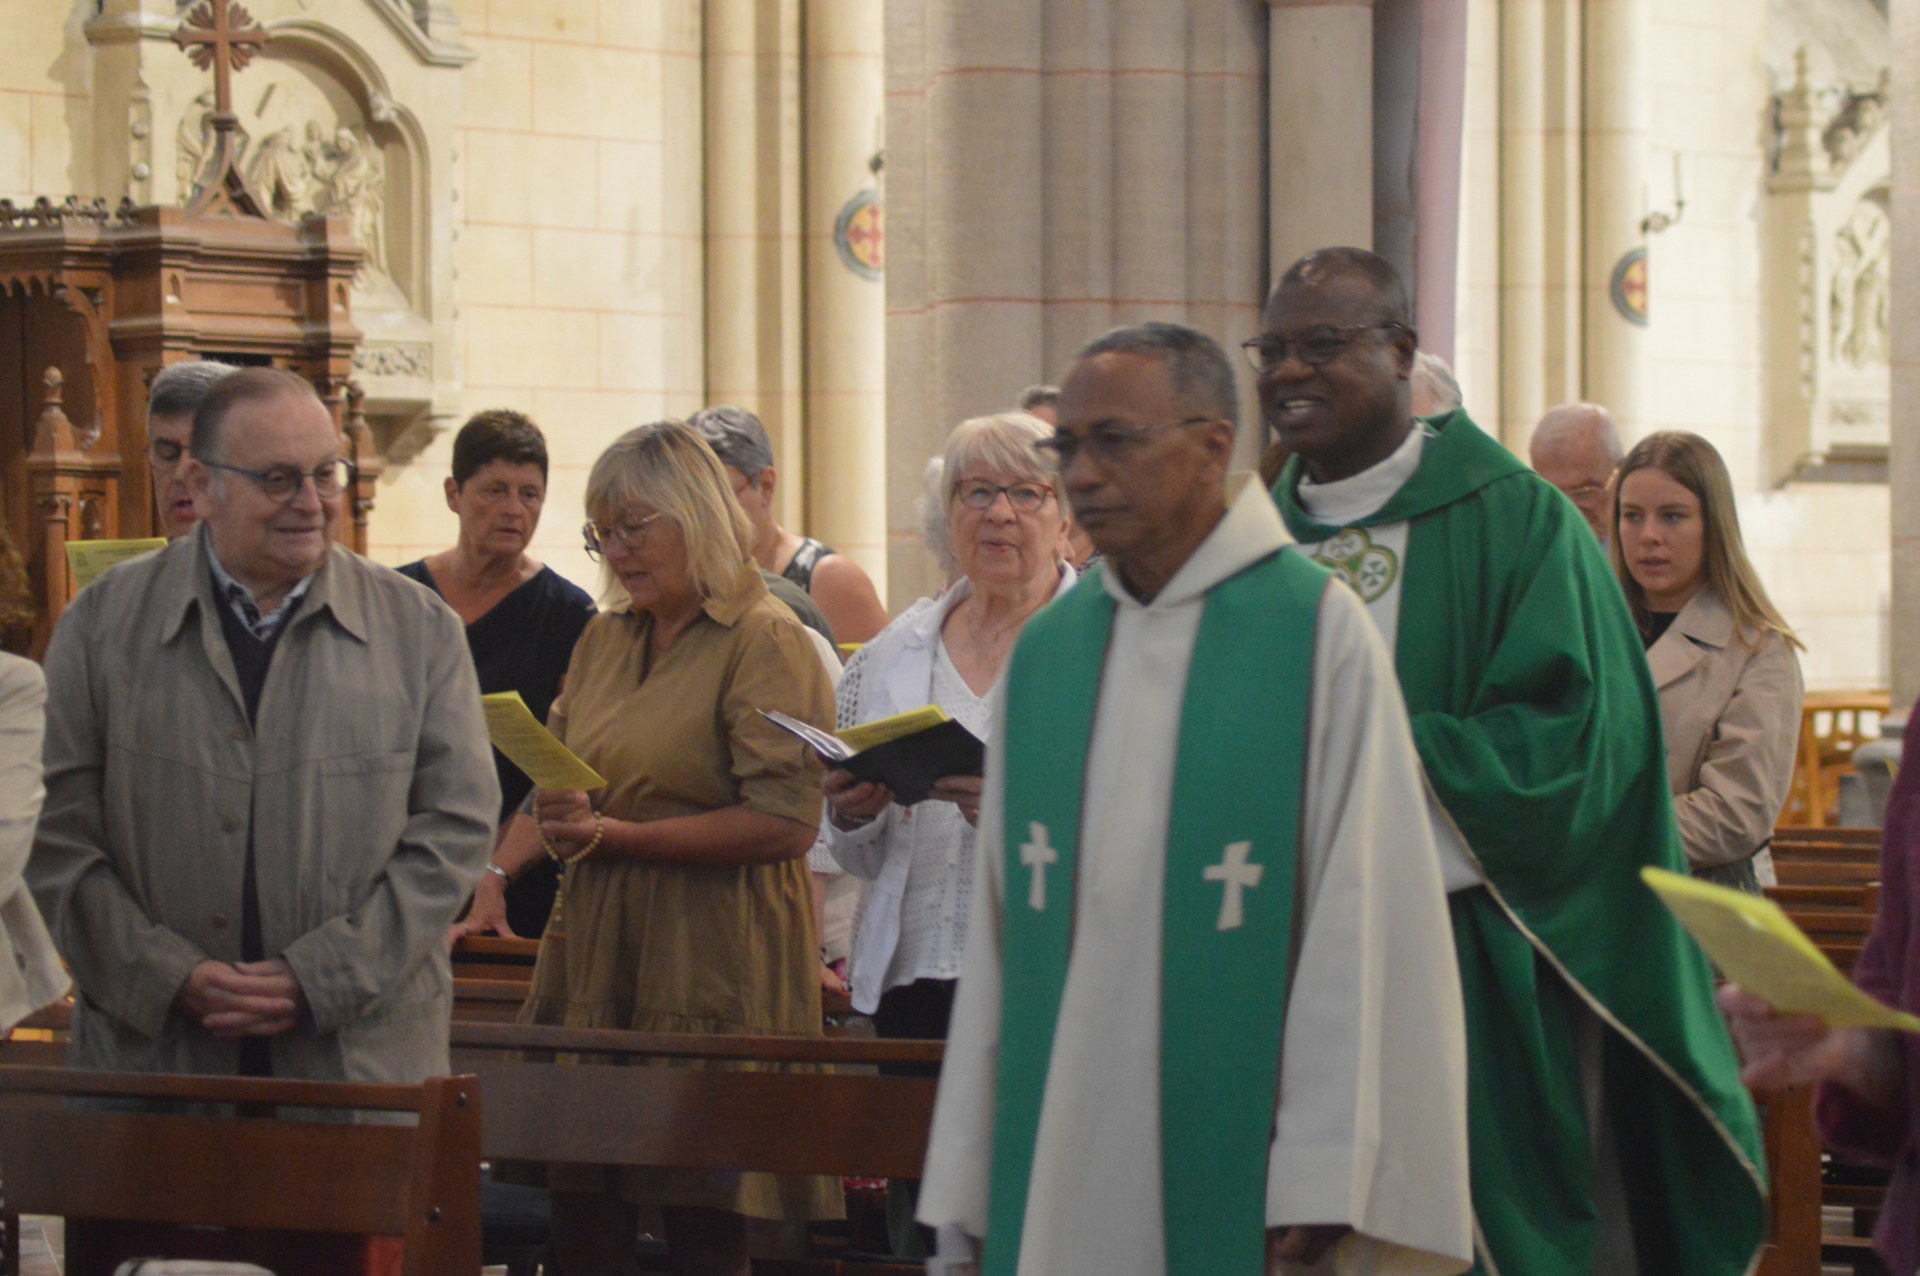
(704, 821)
(1006, 531)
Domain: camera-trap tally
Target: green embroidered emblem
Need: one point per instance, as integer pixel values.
(1352, 556)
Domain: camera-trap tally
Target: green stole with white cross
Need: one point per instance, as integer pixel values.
(1229, 899)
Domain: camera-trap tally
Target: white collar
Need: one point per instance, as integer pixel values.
(1361, 495)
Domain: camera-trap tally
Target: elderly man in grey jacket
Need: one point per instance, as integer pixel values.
(269, 789)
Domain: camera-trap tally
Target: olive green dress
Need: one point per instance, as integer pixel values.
(658, 948)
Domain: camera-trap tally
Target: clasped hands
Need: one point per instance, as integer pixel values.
(855, 802)
(243, 999)
(566, 820)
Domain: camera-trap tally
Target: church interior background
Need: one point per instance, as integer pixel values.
(602, 212)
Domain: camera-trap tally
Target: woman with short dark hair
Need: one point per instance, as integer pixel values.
(522, 619)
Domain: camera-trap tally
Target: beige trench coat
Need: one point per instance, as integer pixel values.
(369, 784)
(1731, 709)
(30, 972)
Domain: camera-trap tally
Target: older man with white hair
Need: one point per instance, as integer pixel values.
(1576, 447)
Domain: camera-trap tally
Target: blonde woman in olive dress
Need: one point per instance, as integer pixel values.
(685, 903)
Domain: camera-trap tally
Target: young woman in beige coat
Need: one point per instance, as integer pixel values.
(1722, 657)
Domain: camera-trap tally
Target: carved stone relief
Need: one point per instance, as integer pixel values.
(1860, 294)
(307, 148)
(1828, 222)
(301, 171)
(383, 359)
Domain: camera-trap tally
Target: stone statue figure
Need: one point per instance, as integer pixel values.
(1860, 295)
(355, 188)
(193, 145)
(298, 170)
(283, 169)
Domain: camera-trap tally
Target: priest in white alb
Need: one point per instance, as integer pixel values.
(1209, 1020)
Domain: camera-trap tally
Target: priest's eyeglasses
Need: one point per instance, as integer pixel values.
(1106, 443)
(1316, 347)
(978, 494)
(630, 533)
(283, 483)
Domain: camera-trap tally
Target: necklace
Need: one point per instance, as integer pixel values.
(991, 642)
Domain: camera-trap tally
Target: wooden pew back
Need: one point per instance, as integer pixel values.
(629, 1098)
(1829, 886)
(257, 1169)
(1793, 1168)
(490, 957)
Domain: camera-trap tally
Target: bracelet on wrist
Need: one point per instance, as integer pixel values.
(501, 873)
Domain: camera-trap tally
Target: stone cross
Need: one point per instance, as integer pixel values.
(1236, 875)
(1036, 855)
(224, 36)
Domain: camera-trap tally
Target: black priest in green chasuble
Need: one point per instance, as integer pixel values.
(1610, 1135)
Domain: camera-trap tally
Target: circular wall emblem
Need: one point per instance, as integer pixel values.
(1628, 287)
(859, 232)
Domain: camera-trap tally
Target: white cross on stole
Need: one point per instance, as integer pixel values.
(1235, 874)
(1036, 855)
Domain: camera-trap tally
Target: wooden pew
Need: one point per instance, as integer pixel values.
(623, 1102)
(492, 958)
(846, 1124)
(1829, 886)
(488, 1000)
(1795, 834)
(1793, 1167)
(415, 1181)
(601, 1110)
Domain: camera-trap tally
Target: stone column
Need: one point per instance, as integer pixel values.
(1540, 212)
(1437, 171)
(753, 224)
(1054, 170)
(1615, 177)
(1476, 348)
(1320, 120)
(1903, 466)
(845, 99)
(963, 217)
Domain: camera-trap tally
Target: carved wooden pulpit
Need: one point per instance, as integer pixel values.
(94, 302)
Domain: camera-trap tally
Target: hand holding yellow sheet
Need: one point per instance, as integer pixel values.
(528, 744)
(86, 560)
(1759, 948)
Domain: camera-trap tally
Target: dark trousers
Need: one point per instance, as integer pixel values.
(917, 1011)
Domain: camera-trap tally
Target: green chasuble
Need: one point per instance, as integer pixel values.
(1535, 719)
(1229, 898)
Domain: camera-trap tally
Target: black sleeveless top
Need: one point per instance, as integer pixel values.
(799, 568)
(524, 644)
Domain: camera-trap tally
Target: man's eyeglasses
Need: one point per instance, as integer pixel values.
(164, 454)
(1316, 347)
(282, 483)
(630, 533)
(1106, 444)
(978, 494)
